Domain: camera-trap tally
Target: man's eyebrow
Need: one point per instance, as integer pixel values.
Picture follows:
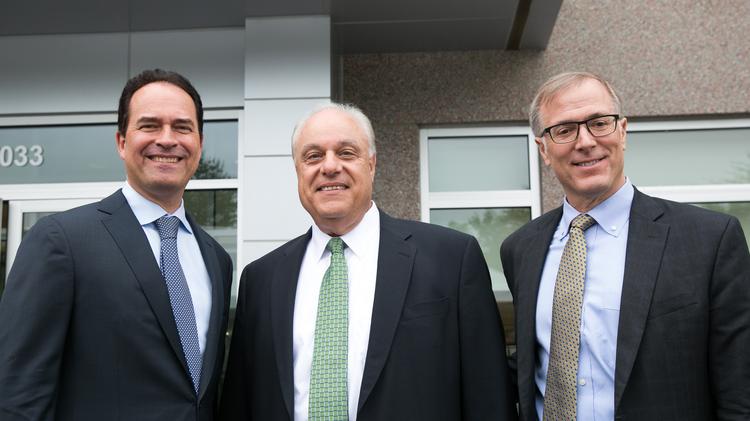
(341, 143)
(147, 119)
(187, 121)
(588, 117)
(151, 119)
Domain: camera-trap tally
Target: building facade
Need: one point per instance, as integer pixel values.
(447, 88)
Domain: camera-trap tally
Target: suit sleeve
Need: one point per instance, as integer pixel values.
(729, 345)
(34, 315)
(506, 260)
(486, 389)
(233, 402)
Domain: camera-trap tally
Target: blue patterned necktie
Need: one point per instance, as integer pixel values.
(179, 296)
(328, 377)
(560, 392)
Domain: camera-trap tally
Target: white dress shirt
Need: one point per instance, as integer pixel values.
(189, 253)
(606, 243)
(361, 253)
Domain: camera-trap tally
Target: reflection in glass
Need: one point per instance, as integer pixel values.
(478, 163)
(69, 154)
(739, 209)
(219, 159)
(688, 157)
(216, 212)
(490, 226)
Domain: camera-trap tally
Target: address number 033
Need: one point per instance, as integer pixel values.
(21, 155)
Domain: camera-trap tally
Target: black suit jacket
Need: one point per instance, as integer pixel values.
(86, 326)
(683, 343)
(436, 348)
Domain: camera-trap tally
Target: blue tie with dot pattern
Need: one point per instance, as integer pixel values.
(560, 401)
(179, 296)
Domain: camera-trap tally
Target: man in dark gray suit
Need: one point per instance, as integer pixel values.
(417, 334)
(646, 316)
(117, 310)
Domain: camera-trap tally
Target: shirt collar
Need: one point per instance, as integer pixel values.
(611, 215)
(358, 240)
(147, 211)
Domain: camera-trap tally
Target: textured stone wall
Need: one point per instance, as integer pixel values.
(666, 58)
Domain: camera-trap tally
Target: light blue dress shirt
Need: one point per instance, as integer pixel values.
(606, 243)
(188, 250)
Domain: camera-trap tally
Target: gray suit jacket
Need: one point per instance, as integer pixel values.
(86, 326)
(683, 344)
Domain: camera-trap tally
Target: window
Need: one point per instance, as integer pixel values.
(482, 181)
(704, 162)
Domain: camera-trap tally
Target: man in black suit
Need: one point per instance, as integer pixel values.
(106, 315)
(661, 328)
(420, 335)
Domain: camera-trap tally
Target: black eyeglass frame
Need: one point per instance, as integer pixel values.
(578, 128)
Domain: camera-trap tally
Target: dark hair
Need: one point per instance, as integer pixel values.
(150, 76)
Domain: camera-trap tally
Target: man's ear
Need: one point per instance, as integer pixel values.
(542, 149)
(120, 144)
(373, 160)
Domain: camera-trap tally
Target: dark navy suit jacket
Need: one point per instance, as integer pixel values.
(86, 326)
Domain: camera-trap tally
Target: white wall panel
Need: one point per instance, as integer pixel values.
(288, 57)
(253, 250)
(62, 73)
(270, 123)
(212, 59)
(271, 207)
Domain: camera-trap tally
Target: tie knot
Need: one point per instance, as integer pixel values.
(167, 226)
(582, 221)
(336, 245)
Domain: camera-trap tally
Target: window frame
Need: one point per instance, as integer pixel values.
(530, 198)
(702, 193)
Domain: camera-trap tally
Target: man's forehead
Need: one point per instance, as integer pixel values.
(587, 98)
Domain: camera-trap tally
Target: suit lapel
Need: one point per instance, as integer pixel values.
(283, 291)
(529, 277)
(129, 237)
(217, 304)
(646, 241)
(395, 261)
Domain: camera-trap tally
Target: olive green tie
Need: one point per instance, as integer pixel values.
(562, 371)
(328, 378)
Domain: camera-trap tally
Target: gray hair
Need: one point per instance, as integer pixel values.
(557, 83)
(353, 111)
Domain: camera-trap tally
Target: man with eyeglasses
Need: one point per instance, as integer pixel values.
(627, 306)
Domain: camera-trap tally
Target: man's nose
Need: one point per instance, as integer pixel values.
(331, 163)
(167, 137)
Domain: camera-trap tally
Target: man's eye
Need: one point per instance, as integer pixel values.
(347, 153)
(183, 129)
(148, 127)
(312, 156)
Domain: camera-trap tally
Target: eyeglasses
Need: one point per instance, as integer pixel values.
(568, 132)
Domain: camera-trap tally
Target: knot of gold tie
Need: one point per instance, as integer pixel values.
(582, 221)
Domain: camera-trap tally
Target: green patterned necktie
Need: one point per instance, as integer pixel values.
(562, 372)
(328, 378)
